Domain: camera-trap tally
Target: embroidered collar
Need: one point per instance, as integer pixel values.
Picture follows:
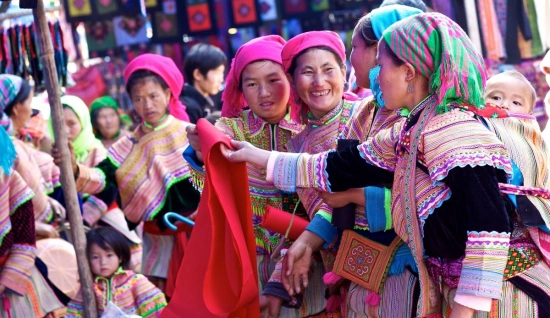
(256, 124)
(325, 119)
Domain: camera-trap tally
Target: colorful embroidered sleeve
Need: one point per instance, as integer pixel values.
(100, 181)
(327, 171)
(93, 210)
(447, 143)
(196, 170)
(75, 308)
(380, 149)
(149, 299)
(17, 270)
(488, 233)
(378, 209)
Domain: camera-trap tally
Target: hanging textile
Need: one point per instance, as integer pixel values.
(78, 9)
(167, 21)
(199, 16)
(319, 5)
(532, 48)
(490, 30)
(130, 30)
(243, 13)
(294, 8)
(19, 53)
(218, 276)
(100, 37)
(268, 10)
(542, 8)
(98, 10)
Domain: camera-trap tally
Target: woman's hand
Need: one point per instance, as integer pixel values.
(57, 157)
(270, 306)
(58, 209)
(45, 230)
(245, 152)
(193, 137)
(297, 262)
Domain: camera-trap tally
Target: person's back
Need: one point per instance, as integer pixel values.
(204, 72)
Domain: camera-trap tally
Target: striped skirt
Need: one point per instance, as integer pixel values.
(157, 251)
(314, 302)
(38, 301)
(515, 303)
(396, 298)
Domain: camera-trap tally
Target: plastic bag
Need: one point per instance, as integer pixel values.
(112, 311)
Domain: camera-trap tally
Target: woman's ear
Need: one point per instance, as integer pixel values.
(410, 72)
(344, 70)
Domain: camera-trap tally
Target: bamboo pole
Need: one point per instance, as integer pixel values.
(66, 177)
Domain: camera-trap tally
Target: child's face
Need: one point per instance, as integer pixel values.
(104, 262)
(510, 94)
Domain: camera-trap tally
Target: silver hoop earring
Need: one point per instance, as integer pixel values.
(410, 88)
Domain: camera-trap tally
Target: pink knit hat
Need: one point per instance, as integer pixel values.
(305, 41)
(262, 48)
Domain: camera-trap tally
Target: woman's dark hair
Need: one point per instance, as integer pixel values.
(204, 57)
(23, 94)
(397, 61)
(364, 28)
(140, 76)
(293, 65)
(110, 239)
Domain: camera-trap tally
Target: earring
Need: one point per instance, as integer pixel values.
(410, 88)
(346, 86)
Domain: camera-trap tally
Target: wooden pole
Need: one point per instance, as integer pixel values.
(66, 177)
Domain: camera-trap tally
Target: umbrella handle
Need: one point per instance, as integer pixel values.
(176, 217)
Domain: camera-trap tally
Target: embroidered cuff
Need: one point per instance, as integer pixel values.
(90, 180)
(474, 302)
(190, 155)
(282, 168)
(375, 209)
(484, 263)
(93, 210)
(17, 270)
(324, 229)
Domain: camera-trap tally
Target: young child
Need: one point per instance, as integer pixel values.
(523, 139)
(109, 256)
(511, 91)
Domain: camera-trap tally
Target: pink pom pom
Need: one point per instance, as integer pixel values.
(331, 278)
(333, 303)
(373, 299)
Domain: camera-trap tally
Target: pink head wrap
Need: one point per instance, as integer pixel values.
(169, 72)
(262, 48)
(300, 43)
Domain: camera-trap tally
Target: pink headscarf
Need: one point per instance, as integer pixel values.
(305, 41)
(169, 72)
(262, 48)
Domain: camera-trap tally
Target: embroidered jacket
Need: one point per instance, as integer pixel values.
(132, 293)
(263, 135)
(17, 235)
(145, 173)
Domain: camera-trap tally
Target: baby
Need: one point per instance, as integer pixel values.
(528, 188)
(511, 91)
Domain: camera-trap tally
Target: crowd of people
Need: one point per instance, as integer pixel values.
(428, 198)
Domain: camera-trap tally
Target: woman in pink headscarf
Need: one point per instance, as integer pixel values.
(144, 172)
(257, 81)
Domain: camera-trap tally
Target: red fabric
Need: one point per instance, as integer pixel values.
(278, 221)
(89, 84)
(263, 48)
(169, 72)
(300, 43)
(218, 276)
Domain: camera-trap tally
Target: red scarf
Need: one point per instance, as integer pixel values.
(218, 276)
